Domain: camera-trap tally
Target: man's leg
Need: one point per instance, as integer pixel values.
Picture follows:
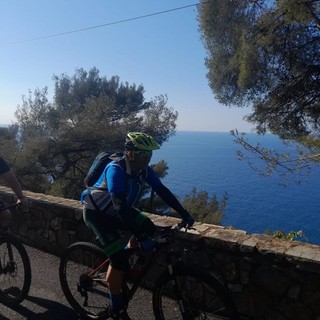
(115, 278)
(118, 266)
(105, 229)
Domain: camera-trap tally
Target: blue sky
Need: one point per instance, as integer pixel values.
(163, 52)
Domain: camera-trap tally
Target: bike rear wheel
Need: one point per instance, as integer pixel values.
(15, 272)
(85, 289)
(191, 294)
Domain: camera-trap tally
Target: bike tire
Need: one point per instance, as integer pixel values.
(201, 295)
(15, 276)
(88, 296)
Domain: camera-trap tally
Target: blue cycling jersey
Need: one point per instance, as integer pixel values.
(116, 180)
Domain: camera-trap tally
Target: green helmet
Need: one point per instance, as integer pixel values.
(140, 141)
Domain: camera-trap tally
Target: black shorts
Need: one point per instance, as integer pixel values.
(110, 229)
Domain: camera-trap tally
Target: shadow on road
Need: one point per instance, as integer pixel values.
(52, 310)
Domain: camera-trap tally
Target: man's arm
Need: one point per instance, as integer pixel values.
(167, 196)
(14, 184)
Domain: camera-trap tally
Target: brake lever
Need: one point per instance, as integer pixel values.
(183, 225)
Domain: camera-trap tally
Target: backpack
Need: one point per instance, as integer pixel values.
(97, 167)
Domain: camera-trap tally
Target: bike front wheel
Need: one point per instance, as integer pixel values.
(191, 294)
(82, 274)
(15, 271)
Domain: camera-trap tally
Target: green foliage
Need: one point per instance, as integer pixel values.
(295, 12)
(266, 54)
(8, 142)
(289, 236)
(205, 209)
(161, 168)
(58, 139)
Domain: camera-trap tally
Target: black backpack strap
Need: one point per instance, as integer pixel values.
(122, 164)
(92, 200)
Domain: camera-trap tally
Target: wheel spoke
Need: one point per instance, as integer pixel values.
(191, 296)
(15, 273)
(85, 290)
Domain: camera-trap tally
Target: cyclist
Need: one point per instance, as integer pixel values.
(109, 207)
(14, 184)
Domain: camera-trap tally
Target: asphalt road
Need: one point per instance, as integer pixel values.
(47, 302)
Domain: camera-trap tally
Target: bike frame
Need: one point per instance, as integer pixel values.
(4, 269)
(137, 282)
(145, 271)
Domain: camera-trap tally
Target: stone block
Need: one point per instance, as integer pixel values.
(78, 215)
(271, 279)
(55, 223)
(63, 238)
(248, 245)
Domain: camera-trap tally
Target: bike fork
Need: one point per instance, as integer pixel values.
(10, 265)
(186, 315)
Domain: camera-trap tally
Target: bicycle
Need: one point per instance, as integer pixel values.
(180, 291)
(15, 269)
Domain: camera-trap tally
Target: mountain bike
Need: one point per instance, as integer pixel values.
(15, 270)
(180, 291)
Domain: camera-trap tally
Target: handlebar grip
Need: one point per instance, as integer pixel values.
(182, 225)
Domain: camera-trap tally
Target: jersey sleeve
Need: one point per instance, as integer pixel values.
(116, 179)
(151, 178)
(3, 166)
(164, 193)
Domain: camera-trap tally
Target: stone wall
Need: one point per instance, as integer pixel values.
(269, 278)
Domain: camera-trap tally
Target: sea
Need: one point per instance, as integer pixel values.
(208, 161)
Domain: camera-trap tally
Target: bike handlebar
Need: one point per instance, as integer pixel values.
(182, 225)
(167, 232)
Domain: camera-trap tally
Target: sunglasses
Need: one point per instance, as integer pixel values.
(143, 154)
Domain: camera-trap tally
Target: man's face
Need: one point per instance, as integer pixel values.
(142, 158)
